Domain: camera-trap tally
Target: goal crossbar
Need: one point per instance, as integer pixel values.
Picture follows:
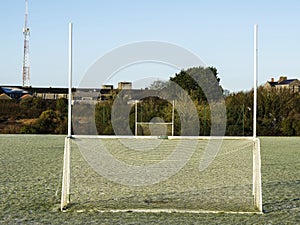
(154, 123)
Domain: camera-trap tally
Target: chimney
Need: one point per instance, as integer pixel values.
(282, 78)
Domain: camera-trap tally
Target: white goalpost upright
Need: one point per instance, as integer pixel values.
(255, 79)
(70, 79)
(66, 180)
(257, 186)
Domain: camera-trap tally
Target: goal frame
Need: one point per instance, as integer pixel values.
(66, 177)
(149, 123)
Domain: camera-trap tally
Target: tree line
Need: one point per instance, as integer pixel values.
(278, 111)
(33, 116)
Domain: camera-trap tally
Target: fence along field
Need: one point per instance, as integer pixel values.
(31, 170)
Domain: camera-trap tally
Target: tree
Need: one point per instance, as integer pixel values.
(62, 106)
(158, 85)
(103, 118)
(190, 79)
(49, 122)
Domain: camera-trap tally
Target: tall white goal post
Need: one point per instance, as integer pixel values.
(225, 154)
(66, 180)
(257, 185)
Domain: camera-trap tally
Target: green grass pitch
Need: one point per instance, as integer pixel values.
(30, 182)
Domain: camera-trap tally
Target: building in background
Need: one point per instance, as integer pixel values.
(284, 83)
(124, 85)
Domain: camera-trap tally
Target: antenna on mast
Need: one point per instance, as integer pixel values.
(26, 67)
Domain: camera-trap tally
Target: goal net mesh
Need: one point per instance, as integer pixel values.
(118, 174)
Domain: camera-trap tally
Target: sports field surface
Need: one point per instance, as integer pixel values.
(30, 186)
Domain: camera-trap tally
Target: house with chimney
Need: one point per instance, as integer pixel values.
(283, 84)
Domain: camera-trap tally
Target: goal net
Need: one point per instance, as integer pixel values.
(151, 174)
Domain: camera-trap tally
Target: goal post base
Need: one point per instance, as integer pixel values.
(66, 179)
(169, 211)
(257, 185)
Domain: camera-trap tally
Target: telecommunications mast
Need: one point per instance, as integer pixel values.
(26, 33)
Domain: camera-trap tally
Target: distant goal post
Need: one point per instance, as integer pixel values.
(156, 127)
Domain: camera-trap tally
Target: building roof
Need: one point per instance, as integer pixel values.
(283, 82)
(15, 90)
(47, 90)
(4, 97)
(26, 96)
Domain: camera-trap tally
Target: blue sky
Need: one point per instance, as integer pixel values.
(219, 32)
